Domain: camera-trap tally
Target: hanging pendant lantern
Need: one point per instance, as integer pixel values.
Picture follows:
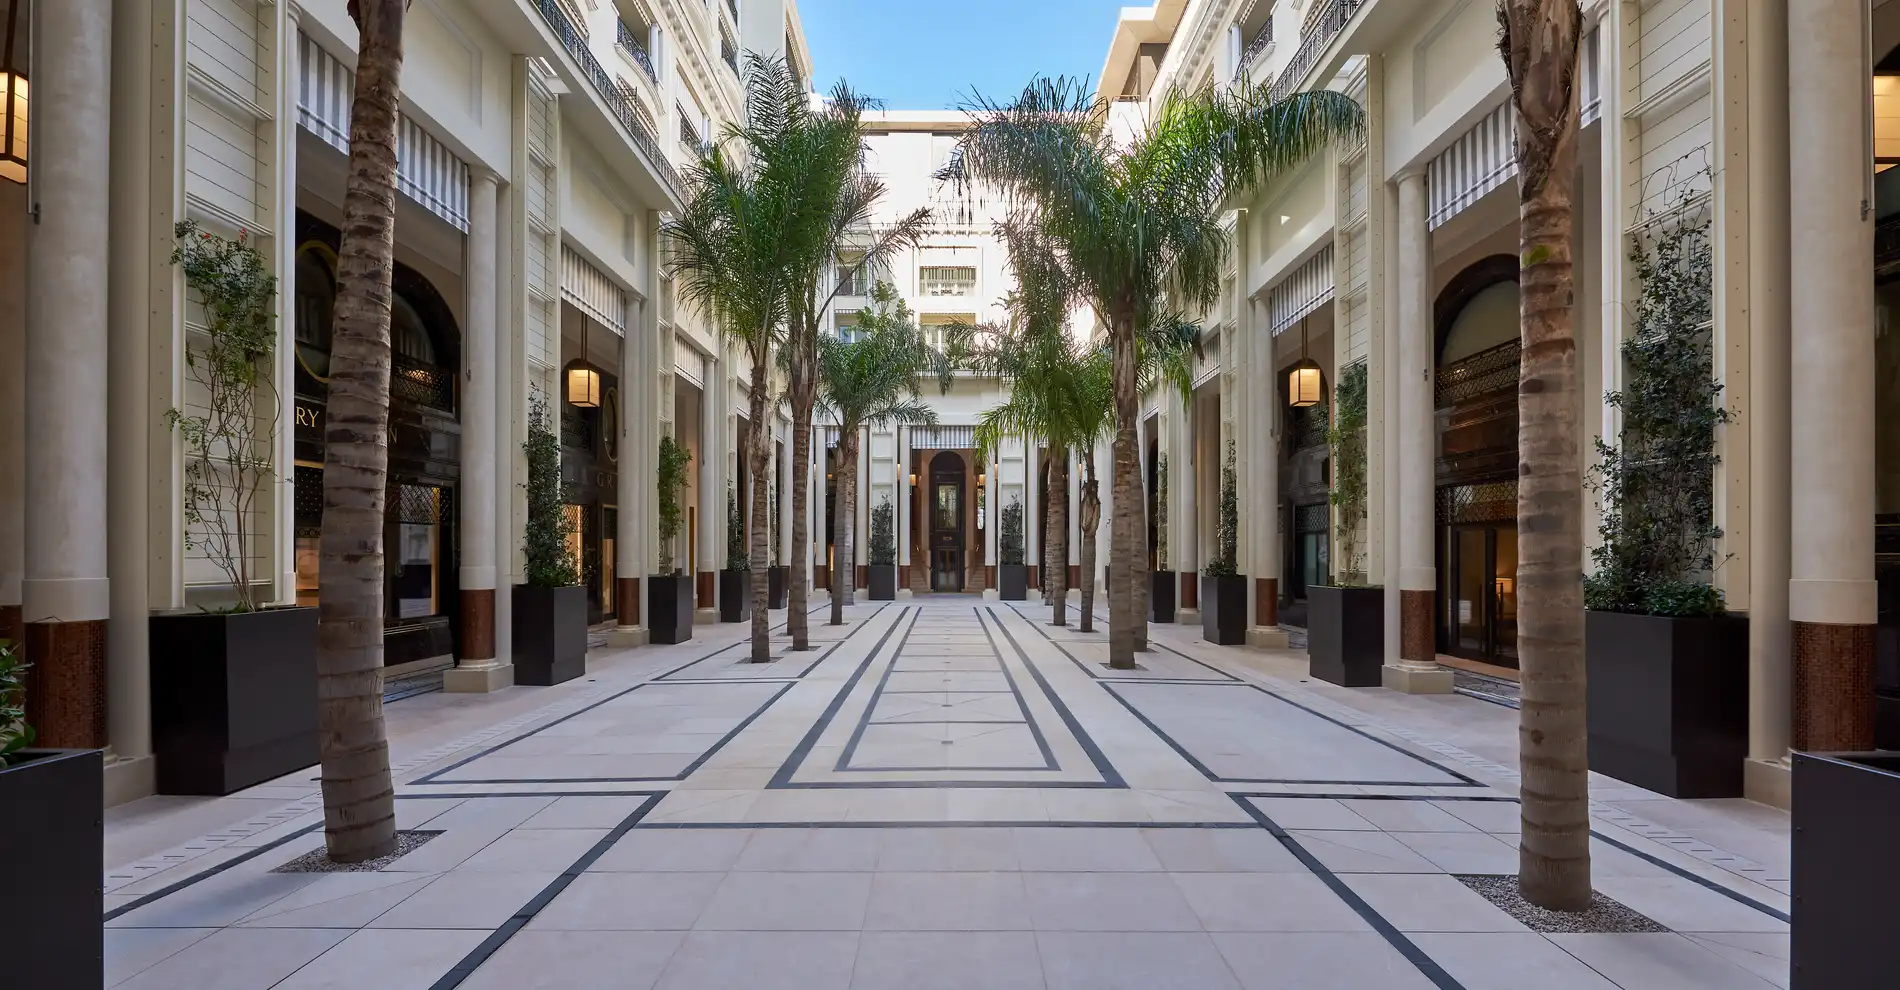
(1303, 385)
(583, 386)
(13, 101)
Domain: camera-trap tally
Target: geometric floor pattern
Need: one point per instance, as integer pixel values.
(944, 793)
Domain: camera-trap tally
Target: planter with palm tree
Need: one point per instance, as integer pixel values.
(1223, 587)
(1012, 575)
(550, 610)
(234, 687)
(1161, 594)
(735, 579)
(1139, 225)
(670, 592)
(1345, 620)
(872, 380)
(883, 554)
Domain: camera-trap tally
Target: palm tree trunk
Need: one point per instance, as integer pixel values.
(1091, 521)
(359, 803)
(1540, 51)
(1125, 550)
(844, 568)
(759, 457)
(797, 619)
(1055, 541)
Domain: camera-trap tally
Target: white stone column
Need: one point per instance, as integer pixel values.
(1104, 489)
(992, 482)
(814, 549)
(1184, 529)
(1418, 670)
(64, 590)
(1264, 418)
(712, 493)
(906, 493)
(13, 224)
(785, 497)
(639, 449)
(478, 669)
(1075, 523)
(1831, 591)
(1032, 514)
(861, 525)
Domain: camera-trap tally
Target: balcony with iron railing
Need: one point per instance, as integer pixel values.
(733, 6)
(1258, 48)
(620, 103)
(1321, 28)
(635, 49)
(729, 52)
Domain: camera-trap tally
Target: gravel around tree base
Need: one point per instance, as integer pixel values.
(1603, 917)
(318, 860)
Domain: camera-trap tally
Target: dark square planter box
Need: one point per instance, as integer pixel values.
(550, 634)
(883, 582)
(52, 840)
(735, 596)
(1668, 701)
(1846, 813)
(777, 580)
(1161, 596)
(1345, 635)
(234, 698)
(669, 608)
(1012, 582)
(1224, 609)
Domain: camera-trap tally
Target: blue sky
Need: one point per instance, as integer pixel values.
(928, 54)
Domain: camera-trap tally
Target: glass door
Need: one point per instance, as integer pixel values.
(1480, 599)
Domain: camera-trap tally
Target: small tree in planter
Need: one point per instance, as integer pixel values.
(550, 610)
(1161, 595)
(883, 551)
(1012, 576)
(234, 688)
(1224, 588)
(735, 584)
(51, 840)
(1346, 619)
(1656, 629)
(670, 592)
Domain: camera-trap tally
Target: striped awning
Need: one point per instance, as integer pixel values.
(1483, 159)
(942, 437)
(427, 171)
(592, 292)
(1302, 291)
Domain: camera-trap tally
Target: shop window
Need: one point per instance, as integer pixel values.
(413, 549)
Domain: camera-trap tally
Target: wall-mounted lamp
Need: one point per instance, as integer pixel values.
(913, 479)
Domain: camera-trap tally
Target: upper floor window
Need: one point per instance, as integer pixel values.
(846, 326)
(936, 325)
(854, 277)
(946, 280)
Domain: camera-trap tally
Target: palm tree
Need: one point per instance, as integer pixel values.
(871, 380)
(1539, 44)
(359, 802)
(834, 206)
(728, 250)
(1139, 227)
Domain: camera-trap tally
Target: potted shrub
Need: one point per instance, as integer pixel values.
(735, 580)
(1223, 587)
(1163, 580)
(234, 687)
(883, 552)
(777, 576)
(670, 592)
(1345, 621)
(1667, 690)
(1846, 810)
(1012, 577)
(52, 840)
(550, 610)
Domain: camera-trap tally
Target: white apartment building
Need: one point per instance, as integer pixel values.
(539, 144)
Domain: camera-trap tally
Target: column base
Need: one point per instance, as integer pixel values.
(1187, 616)
(1416, 679)
(129, 780)
(481, 677)
(66, 684)
(1267, 638)
(1770, 782)
(990, 595)
(1833, 686)
(627, 637)
(705, 617)
(905, 594)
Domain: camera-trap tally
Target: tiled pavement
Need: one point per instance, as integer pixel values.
(944, 794)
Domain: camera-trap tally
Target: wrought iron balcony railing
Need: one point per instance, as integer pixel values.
(636, 50)
(1257, 48)
(619, 103)
(1320, 31)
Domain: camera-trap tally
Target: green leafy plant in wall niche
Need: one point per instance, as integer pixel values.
(738, 555)
(1161, 512)
(883, 550)
(674, 458)
(1225, 562)
(15, 734)
(228, 439)
(1655, 487)
(1347, 438)
(1010, 536)
(546, 544)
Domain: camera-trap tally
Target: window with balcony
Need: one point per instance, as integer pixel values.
(632, 42)
(689, 132)
(728, 50)
(854, 278)
(1256, 35)
(937, 325)
(946, 280)
(845, 325)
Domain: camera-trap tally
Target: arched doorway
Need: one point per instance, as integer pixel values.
(1478, 357)
(946, 521)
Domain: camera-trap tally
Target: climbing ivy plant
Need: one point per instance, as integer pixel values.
(883, 550)
(674, 457)
(1347, 437)
(15, 734)
(1655, 486)
(738, 555)
(1161, 512)
(1011, 536)
(549, 557)
(1227, 527)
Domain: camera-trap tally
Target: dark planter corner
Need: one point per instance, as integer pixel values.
(1161, 597)
(1846, 811)
(1012, 582)
(1668, 701)
(52, 840)
(883, 582)
(234, 698)
(550, 634)
(1224, 609)
(777, 579)
(1345, 635)
(669, 607)
(735, 596)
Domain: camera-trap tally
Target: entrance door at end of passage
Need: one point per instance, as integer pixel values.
(1481, 594)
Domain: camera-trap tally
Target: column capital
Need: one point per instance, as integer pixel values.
(1414, 173)
(482, 174)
